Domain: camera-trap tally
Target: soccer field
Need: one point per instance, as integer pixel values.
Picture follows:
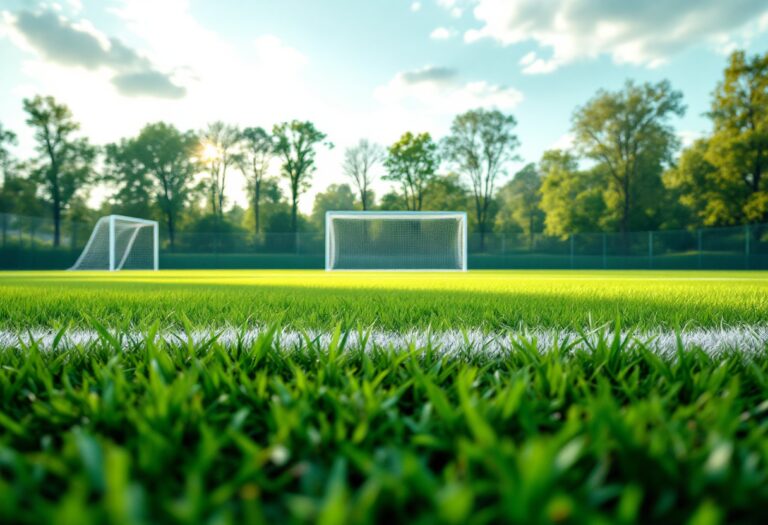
(303, 396)
(399, 301)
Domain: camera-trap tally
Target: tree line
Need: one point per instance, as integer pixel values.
(625, 170)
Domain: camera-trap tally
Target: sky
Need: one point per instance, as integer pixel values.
(360, 69)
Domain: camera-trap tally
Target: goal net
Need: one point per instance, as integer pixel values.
(395, 241)
(120, 243)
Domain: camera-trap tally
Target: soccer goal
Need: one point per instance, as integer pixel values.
(395, 240)
(121, 243)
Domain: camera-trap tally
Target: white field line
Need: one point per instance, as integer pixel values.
(744, 339)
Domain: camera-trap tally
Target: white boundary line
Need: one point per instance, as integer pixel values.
(744, 339)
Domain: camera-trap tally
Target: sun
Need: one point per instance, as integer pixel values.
(209, 151)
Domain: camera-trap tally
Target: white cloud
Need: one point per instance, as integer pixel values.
(641, 33)
(453, 7)
(78, 44)
(440, 91)
(416, 6)
(75, 5)
(442, 33)
(279, 58)
(533, 64)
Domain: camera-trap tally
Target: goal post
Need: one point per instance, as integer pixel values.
(396, 240)
(121, 243)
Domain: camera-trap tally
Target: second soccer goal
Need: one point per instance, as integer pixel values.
(379, 240)
(121, 243)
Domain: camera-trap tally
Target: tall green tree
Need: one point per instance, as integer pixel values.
(124, 170)
(480, 144)
(161, 161)
(446, 193)
(64, 163)
(629, 135)
(572, 200)
(519, 203)
(696, 184)
(738, 147)
(296, 144)
(218, 152)
(412, 162)
(359, 161)
(255, 159)
(7, 162)
(337, 197)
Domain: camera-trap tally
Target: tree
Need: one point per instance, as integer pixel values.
(295, 144)
(160, 160)
(392, 201)
(519, 202)
(572, 200)
(255, 159)
(738, 147)
(480, 144)
(335, 197)
(697, 185)
(628, 134)
(124, 169)
(7, 163)
(218, 152)
(446, 193)
(64, 163)
(412, 162)
(358, 163)
(18, 195)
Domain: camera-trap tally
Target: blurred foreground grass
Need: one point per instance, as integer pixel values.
(198, 433)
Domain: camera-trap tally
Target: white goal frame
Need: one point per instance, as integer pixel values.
(459, 216)
(114, 264)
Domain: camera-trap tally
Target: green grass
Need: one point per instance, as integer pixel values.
(312, 299)
(187, 433)
(132, 430)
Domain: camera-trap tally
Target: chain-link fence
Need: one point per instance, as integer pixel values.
(28, 243)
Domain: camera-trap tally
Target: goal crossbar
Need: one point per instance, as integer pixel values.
(442, 248)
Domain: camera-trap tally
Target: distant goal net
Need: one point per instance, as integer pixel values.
(121, 243)
(395, 241)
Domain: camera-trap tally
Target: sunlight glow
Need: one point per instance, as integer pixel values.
(209, 152)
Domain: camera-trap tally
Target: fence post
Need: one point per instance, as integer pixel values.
(698, 246)
(747, 235)
(572, 260)
(650, 249)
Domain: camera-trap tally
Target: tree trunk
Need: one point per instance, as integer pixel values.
(294, 213)
(624, 225)
(221, 201)
(256, 203)
(56, 222)
(171, 232)
(479, 213)
(530, 233)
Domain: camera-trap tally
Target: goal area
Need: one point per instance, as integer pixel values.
(121, 243)
(393, 240)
